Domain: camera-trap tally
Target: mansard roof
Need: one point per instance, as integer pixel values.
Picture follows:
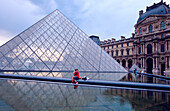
(159, 8)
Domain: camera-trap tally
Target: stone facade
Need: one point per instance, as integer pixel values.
(149, 47)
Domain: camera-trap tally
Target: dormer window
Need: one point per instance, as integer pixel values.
(162, 25)
(140, 31)
(150, 28)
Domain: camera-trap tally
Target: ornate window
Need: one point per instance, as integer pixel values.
(149, 49)
(162, 48)
(127, 52)
(150, 28)
(139, 50)
(162, 36)
(140, 31)
(162, 25)
(122, 52)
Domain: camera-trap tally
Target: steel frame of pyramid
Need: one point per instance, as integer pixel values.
(55, 44)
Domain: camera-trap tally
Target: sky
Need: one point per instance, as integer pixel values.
(104, 18)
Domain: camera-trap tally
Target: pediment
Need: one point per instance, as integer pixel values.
(150, 18)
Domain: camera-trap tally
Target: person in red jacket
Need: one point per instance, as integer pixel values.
(76, 76)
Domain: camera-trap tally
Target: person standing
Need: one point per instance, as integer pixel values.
(135, 71)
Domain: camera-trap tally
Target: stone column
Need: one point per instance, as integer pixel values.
(167, 70)
(156, 69)
(144, 67)
(126, 64)
(155, 66)
(120, 62)
(168, 45)
(153, 46)
(165, 46)
(142, 64)
(156, 47)
(135, 52)
(154, 62)
(145, 51)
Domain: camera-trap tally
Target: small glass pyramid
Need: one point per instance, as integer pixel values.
(55, 44)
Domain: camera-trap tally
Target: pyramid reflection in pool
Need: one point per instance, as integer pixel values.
(36, 96)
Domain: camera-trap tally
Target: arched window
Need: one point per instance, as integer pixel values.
(149, 49)
(140, 31)
(129, 63)
(124, 63)
(150, 28)
(162, 25)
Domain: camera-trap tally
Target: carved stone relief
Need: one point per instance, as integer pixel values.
(156, 26)
(150, 19)
(168, 22)
(144, 29)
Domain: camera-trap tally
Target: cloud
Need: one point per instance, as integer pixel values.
(46, 5)
(5, 36)
(109, 18)
(17, 15)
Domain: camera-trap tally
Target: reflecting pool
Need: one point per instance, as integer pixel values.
(17, 95)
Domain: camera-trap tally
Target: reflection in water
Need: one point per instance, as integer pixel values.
(131, 77)
(75, 86)
(36, 96)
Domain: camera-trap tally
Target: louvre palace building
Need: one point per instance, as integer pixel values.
(149, 46)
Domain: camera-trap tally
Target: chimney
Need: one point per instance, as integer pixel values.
(140, 13)
(108, 41)
(101, 42)
(113, 39)
(133, 35)
(122, 37)
(105, 41)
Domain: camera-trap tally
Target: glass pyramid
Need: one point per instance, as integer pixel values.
(55, 44)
